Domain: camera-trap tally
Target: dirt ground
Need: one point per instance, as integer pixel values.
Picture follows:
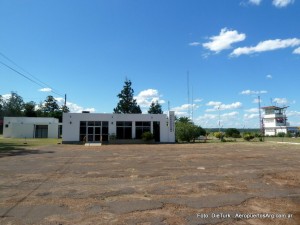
(221, 183)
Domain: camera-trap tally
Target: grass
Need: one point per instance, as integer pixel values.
(7, 144)
(284, 139)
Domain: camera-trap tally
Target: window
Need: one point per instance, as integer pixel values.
(92, 131)
(141, 127)
(124, 129)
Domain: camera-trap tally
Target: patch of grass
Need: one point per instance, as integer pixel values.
(7, 144)
(283, 139)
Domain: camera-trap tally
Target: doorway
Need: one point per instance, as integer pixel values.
(41, 131)
(156, 131)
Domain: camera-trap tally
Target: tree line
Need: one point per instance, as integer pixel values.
(15, 106)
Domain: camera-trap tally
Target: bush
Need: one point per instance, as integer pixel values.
(219, 135)
(248, 136)
(281, 134)
(232, 132)
(289, 134)
(188, 131)
(112, 136)
(147, 136)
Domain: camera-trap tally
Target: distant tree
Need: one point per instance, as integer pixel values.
(13, 106)
(50, 107)
(184, 119)
(232, 132)
(29, 109)
(248, 136)
(127, 104)
(155, 108)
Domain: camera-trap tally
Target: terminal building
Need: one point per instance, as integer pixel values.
(275, 121)
(125, 128)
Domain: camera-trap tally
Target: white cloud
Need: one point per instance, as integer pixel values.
(255, 2)
(251, 116)
(146, 97)
(213, 103)
(5, 97)
(229, 115)
(293, 113)
(251, 92)
(198, 100)
(282, 3)
(73, 106)
(184, 109)
(252, 110)
(194, 43)
(269, 76)
(224, 40)
(219, 106)
(45, 89)
(297, 51)
(281, 101)
(268, 45)
(256, 100)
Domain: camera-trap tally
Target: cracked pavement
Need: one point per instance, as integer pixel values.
(151, 184)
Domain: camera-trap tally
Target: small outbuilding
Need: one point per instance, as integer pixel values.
(123, 128)
(31, 127)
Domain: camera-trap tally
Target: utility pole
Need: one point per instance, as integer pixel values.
(188, 93)
(65, 100)
(261, 124)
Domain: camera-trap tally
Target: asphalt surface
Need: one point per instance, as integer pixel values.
(223, 183)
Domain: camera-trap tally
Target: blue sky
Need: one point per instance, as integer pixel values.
(232, 50)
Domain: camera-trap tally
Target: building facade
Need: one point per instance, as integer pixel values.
(102, 127)
(30, 127)
(275, 121)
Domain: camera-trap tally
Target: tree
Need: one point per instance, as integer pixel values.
(247, 136)
(187, 131)
(13, 106)
(1, 107)
(232, 132)
(155, 108)
(127, 104)
(184, 119)
(50, 107)
(29, 109)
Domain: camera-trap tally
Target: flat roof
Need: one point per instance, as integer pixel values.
(274, 107)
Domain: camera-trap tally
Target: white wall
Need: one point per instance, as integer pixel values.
(71, 123)
(21, 127)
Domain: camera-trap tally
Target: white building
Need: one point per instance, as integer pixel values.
(275, 121)
(97, 127)
(30, 127)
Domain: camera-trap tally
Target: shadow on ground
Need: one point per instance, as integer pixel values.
(15, 150)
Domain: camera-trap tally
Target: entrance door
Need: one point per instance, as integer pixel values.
(156, 131)
(93, 131)
(41, 131)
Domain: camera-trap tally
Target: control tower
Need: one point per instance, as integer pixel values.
(275, 121)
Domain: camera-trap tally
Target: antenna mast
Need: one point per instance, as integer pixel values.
(261, 124)
(188, 93)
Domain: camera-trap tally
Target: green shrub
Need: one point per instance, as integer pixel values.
(219, 135)
(281, 134)
(248, 136)
(112, 136)
(232, 132)
(147, 136)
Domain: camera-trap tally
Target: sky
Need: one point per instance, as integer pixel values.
(208, 60)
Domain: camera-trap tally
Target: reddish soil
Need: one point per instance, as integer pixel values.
(223, 183)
